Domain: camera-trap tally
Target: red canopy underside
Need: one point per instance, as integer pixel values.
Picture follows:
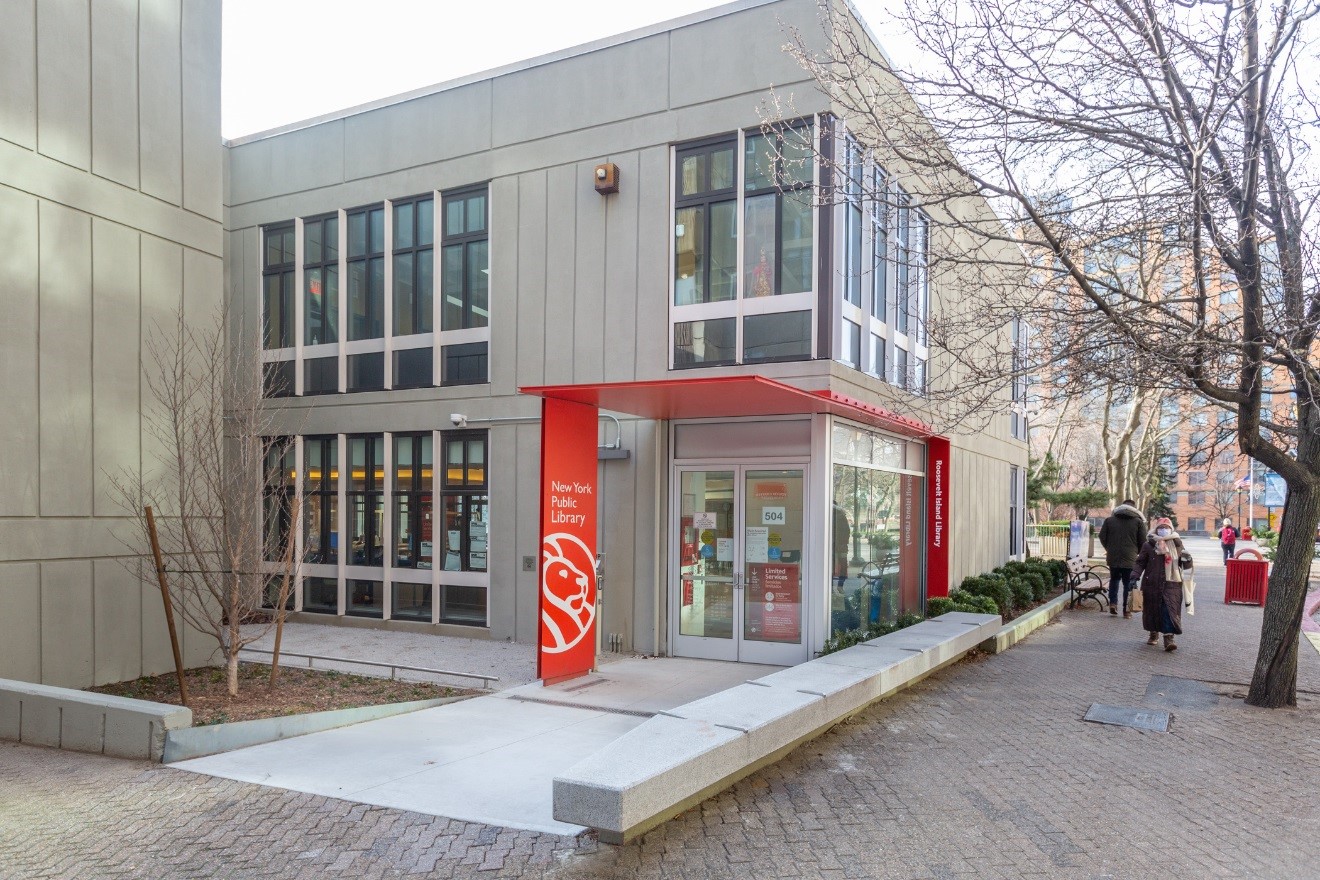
(727, 397)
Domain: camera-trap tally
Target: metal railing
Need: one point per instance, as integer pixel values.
(392, 667)
(1047, 542)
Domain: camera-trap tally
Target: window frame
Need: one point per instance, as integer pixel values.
(373, 533)
(285, 271)
(370, 257)
(325, 266)
(707, 199)
(466, 492)
(324, 494)
(419, 497)
(463, 240)
(422, 318)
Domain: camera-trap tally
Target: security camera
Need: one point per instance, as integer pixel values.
(459, 420)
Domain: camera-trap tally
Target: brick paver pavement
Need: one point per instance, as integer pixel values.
(984, 771)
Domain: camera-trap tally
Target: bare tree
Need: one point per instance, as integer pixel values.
(211, 431)
(1179, 126)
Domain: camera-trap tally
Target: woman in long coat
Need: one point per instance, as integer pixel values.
(1161, 584)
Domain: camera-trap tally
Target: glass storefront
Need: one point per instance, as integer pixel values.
(877, 527)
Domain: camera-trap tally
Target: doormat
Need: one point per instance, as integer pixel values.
(1129, 716)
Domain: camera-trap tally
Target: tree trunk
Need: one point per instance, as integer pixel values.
(1274, 683)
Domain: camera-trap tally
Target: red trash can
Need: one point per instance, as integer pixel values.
(1246, 580)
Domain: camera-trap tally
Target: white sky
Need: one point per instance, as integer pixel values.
(288, 60)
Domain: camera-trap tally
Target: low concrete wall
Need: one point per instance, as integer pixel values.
(212, 739)
(1019, 628)
(680, 757)
(84, 722)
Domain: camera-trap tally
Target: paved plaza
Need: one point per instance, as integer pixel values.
(984, 770)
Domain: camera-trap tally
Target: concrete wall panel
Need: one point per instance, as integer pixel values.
(115, 90)
(203, 162)
(18, 72)
(301, 160)
(504, 223)
(614, 83)
(620, 262)
(66, 623)
(654, 243)
(505, 490)
(560, 282)
(116, 365)
(160, 85)
(118, 622)
(64, 99)
(531, 338)
(589, 277)
(526, 601)
(18, 355)
(452, 123)
(20, 624)
(162, 294)
(65, 362)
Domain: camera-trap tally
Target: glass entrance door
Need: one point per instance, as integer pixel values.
(739, 591)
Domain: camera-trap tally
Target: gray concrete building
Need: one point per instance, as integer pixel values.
(611, 224)
(111, 174)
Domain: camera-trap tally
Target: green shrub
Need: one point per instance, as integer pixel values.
(964, 601)
(1021, 589)
(937, 605)
(847, 638)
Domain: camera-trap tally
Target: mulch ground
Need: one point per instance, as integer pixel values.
(298, 691)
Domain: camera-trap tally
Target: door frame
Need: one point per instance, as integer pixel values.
(737, 648)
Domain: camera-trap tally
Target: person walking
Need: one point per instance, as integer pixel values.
(1227, 539)
(1159, 565)
(1122, 535)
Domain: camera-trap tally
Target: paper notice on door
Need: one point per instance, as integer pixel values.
(703, 519)
(757, 545)
(724, 549)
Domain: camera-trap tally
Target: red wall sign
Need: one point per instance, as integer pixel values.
(776, 596)
(937, 516)
(568, 540)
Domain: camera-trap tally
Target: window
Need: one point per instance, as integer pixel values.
(321, 279)
(365, 598)
(777, 212)
(278, 379)
(466, 364)
(465, 270)
(852, 226)
(321, 375)
(365, 499)
(1016, 510)
(900, 367)
(705, 343)
(879, 361)
(366, 273)
(277, 286)
(918, 376)
(321, 500)
(366, 372)
(880, 264)
(465, 501)
(413, 367)
(777, 336)
(1197, 478)
(414, 224)
(1196, 498)
(1170, 464)
(706, 223)
(321, 595)
(412, 501)
(1195, 524)
(852, 344)
(278, 495)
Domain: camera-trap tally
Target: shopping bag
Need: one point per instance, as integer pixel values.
(1134, 600)
(1189, 595)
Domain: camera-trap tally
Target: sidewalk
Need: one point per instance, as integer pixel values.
(984, 770)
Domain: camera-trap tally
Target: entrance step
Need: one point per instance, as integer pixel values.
(680, 757)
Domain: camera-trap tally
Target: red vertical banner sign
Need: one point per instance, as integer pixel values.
(568, 540)
(938, 467)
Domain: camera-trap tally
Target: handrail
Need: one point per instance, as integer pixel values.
(392, 667)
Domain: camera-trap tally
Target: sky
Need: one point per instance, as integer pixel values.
(289, 60)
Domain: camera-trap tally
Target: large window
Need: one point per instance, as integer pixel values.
(278, 495)
(277, 271)
(412, 501)
(880, 256)
(465, 500)
(465, 272)
(321, 500)
(366, 273)
(777, 212)
(706, 223)
(414, 222)
(366, 499)
(854, 168)
(321, 279)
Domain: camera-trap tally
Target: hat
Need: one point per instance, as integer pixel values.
(1164, 521)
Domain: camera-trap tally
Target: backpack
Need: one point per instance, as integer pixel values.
(1227, 535)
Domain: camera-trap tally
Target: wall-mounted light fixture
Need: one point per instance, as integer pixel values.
(607, 178)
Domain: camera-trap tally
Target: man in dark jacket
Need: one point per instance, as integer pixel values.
(1123, 533)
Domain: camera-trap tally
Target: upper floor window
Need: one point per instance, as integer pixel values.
(777, 212)
(880, 257)
(465, 261)
(366, 273)
(852, 224)
(321, 279)
(414, 222)
(277, 271)
(706, 223)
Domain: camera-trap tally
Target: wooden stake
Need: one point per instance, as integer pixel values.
(284, 596)
(169, 606)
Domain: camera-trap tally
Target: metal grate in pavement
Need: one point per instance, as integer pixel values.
(1129, 716)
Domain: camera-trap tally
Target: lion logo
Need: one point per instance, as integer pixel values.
(568, 588)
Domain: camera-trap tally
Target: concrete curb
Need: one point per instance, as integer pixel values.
(212, 739)
(79, 721)
(1019, 628)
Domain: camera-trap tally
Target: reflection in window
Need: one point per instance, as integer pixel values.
(705, 224)
(321, 279)
(777, 212)
(366, 273)
(777, 336)
(321, 595)
(278, 495)
(321, 501)
(366, 500)
(465, 269)
(466, 364)
(466, 504)
(365, 598)
(277, 286)
(413, 234)
(413, 536)
(705, 343)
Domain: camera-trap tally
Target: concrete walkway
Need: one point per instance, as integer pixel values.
(490, 759)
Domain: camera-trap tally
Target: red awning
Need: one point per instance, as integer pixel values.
(727, 397)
